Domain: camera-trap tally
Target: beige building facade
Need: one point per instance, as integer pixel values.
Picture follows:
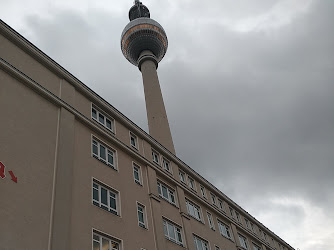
(89, 178)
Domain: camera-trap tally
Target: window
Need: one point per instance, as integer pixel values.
(217, 248)
(137, 174)
(265, 236)
(103, 153)
(173, 232)
(166, 165)
(256, 247)
(133, 141)
(213, 198)
(105, 198)
(273, 242)
(182, 176)
(102, 119)
(247, 223)
(155, 157)
(141, 215)
(232, 213)
(203, 192)
(238, 216)
(166, 193)
(200, 244)
(210, 220)
(252, 227)
(221, 205)
(243, 241)
(101, 242)
(260, 233)
(191, 183)
(224, 230)
(194, 210)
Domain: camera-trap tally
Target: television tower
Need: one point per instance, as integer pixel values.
(144, 43)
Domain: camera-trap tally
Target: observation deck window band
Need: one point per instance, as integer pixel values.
(146, 57)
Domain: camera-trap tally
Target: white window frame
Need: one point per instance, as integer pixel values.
(204, 244)
(134, 138)
(243, 241)
(183, 179)
(141, 209)
(191, 183)
(213, 198)
(224, 229)
(203, 191)
(155, 157)
(260, 233)
(108, 152)
(194, 210)
(106, 118)
(221, 204)
(232, 213)
(139, 180)
(171, 194)
(177, 232)
(252, 227)
(111, 193)
(210, 221)
(166, 165)
(98, 237)
(238, 216)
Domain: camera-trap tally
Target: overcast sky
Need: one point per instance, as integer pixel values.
(248, 87)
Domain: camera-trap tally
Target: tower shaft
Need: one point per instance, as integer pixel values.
(156, 113)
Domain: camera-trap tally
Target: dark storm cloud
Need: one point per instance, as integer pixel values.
(250, 111)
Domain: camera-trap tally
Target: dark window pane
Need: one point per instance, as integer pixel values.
(108, 124)
(96, 237)
(164, 192)
(171, 231)
(95, 194)
(96, 245)
(110, 157)
(113, 202)
(101, 118)
(95, 150)
(102, 152)
(104, 198)
(94, 114)
(136, 173)
(141, 216)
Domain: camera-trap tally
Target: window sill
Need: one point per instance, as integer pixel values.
(105, 163)
(171, 240)
(164, 199)
(138, 183)
(108, 211)
(143, 227)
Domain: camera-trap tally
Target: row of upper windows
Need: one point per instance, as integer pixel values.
(107, 155)
(217, 202)
(109, 123)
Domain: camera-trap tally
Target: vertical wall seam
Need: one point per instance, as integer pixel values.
(54, 183)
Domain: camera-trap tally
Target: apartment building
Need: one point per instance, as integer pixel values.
(77, 174)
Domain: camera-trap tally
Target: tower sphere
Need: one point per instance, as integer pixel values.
(142, 33)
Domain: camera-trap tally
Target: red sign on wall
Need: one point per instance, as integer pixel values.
(3, 172)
